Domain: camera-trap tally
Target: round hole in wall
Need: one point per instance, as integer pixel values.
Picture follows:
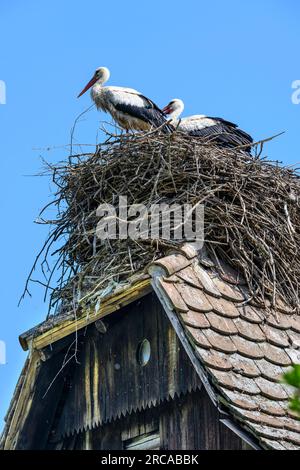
(143, 352)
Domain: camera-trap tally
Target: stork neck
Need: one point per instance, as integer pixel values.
(101, 81)
(96, 90)
(175, 114)
(173, 121)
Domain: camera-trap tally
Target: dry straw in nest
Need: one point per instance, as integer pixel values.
(251, 211)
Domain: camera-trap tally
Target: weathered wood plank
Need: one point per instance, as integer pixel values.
(192, 422)
(109, 381)
(69, 326)
(23, 403)
(35, 411)
(189, 422)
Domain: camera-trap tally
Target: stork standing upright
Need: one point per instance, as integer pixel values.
(129, 108)
(222, 132)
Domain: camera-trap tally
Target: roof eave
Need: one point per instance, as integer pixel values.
(50, 332)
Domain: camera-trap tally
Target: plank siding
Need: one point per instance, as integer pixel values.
(45, 394)
(189, 422)
(108, 380)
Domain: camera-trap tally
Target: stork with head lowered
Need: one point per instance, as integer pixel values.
(219, 130)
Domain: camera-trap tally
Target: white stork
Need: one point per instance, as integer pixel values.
(129, 108)
(223, 132)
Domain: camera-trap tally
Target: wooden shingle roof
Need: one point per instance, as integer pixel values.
(244, 348)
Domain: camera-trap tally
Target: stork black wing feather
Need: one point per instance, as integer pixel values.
(231, 127)
(151, 114)
(151, 103)
(224, 133)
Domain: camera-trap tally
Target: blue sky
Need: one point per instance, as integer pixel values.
(234, 59)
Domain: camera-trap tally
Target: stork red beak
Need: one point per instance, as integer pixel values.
(91, 83)
(167, 109)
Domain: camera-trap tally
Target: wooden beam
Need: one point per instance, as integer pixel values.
(68, 326)
(22, 404)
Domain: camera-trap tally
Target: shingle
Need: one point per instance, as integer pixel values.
(271, 444)
(214, 359)
(194, 298)
(190, 250)
(247, 348)
(223, 378)
(294, 339)
(261, 418)
(274, 433)
(288, 388)
(294, 355)
(220, 342)
(295, 323)
(251, 314)
(173, 263)
(272, 390)
(173, 279)
(276, 336)
(224, 307)
(174, 296)
(249, 331)
(188, 275)
(269, 370)
(275, 355)
(271, 407)
(221, 324)
(208, 285)
(262, 305)
(198, 337)
(228, 274)
(196, 319)
(273, 421)
(292, 424)
(283, 307)
(289, 445)
(241, 400)
(228, 291)
(244, 366)
(236, 382)
(279, 320)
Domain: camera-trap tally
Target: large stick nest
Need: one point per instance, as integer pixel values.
(252, 216)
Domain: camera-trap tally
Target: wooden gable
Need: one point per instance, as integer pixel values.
(108, 381)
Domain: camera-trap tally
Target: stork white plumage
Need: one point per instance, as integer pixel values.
(129, 108)
(221, 131)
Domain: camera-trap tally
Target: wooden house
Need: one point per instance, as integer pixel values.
(173, 359)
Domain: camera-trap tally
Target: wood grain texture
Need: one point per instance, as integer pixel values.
(48, 332)
(109, 382)
(188, 422)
